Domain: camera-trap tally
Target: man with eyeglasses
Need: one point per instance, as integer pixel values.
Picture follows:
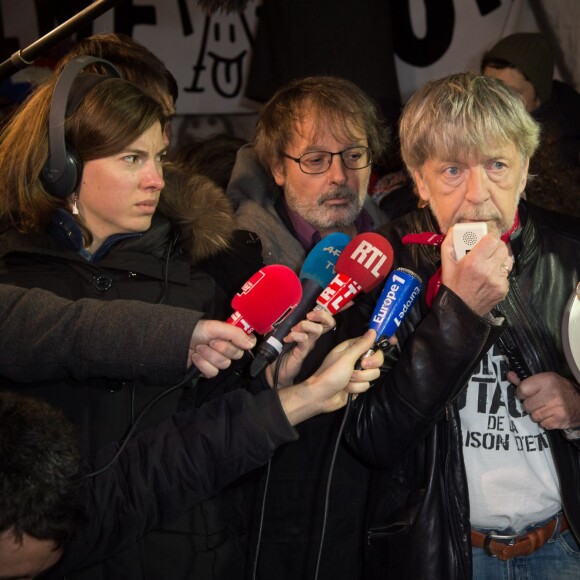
(304, 176)
(307, 172)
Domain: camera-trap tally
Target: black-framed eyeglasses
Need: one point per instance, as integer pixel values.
(313, 162)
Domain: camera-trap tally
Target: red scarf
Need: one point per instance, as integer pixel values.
(434, 239)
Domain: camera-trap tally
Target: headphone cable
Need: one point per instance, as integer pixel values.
(192, 374)
(329, 484)
(266, 484)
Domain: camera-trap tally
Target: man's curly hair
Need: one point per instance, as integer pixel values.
(42, 487)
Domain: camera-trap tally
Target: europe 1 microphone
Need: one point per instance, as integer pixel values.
(316, 273)
(399, 294)
(397, 298)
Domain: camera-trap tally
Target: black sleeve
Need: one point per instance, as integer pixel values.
(166, 470)
(43, 336)
(434, 365)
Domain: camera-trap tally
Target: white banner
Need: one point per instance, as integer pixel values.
(210, 55)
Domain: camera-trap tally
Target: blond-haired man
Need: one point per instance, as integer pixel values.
(483, 472)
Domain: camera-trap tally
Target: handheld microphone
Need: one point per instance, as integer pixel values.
(258, 305)
(399, 294)
(361, 266)
(316, 273)
(265, 299)
(396, 300)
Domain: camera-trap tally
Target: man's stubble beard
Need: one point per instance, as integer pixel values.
(322, 216)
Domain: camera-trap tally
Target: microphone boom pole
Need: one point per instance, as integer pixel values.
(26, 56)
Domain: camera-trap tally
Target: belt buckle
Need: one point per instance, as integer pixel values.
(510, 539)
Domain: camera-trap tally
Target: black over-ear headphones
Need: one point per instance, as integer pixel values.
(62, 171)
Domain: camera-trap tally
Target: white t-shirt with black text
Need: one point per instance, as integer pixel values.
(510, 470)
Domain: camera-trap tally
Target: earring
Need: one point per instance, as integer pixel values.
(75, 207)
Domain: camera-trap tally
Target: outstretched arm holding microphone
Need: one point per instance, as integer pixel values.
(158, 475)
(82, 338)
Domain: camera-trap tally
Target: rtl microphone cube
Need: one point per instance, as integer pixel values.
(338, 293)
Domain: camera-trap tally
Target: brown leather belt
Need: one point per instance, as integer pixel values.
(507, 547)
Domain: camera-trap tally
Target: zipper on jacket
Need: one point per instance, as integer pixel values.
(462, 571)
(519, 312)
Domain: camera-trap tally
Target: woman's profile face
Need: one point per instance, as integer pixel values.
(119, 193)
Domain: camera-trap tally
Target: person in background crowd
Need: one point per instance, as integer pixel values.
(304, 175)
(390, 185)
(213, 156)
(525, 62)
(481, 474)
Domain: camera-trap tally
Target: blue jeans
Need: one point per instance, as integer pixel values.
(557, 559)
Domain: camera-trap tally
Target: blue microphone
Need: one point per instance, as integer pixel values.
(316, 274)
(318, 268)
(399, 294)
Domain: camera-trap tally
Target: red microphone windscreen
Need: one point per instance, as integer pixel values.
(367, 259)
(268, 296)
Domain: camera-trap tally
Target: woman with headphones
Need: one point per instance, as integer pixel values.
(82, 215)
(81, 174)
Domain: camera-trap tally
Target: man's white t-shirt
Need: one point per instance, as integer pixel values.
(510, 470)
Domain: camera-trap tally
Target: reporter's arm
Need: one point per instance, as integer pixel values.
(166, 470)
(328, 388)
(43, 336)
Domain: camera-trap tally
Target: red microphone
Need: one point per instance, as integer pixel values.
(265, 299)
(362, 266)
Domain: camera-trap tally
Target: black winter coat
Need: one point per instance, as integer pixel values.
(135, 268)
(160, 473)
(408, 426)
(170, 468)
(288, 534)
(167, 264)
